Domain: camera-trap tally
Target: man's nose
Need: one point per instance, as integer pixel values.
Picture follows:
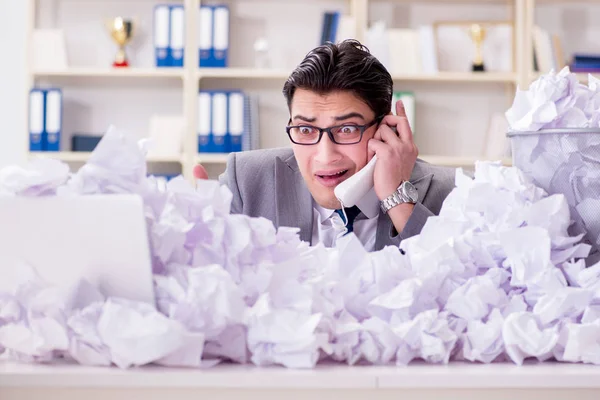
(327, 151)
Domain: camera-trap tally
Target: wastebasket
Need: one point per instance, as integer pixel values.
(565, 161)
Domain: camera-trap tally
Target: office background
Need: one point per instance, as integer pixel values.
(457, 114)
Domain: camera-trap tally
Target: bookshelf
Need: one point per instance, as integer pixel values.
(143, 89)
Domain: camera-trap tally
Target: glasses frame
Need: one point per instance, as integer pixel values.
(362, 129)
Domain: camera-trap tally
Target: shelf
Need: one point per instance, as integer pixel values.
(454, 161)
(582, 77)
(281, 74)
(81, 156)
(212, 158)
(463, 77)
(241, 73)
(114, 72)
(449, 161)
(497, 2)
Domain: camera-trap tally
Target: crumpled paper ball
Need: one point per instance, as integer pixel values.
(556, 100)
(496, 268)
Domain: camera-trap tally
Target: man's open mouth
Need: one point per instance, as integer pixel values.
(333, 175)
(331, 179)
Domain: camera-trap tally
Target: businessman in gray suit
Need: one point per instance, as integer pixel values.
(339, 98)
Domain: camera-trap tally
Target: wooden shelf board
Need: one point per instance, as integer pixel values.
(581, 76)
(212, 158)
(280, 74)
(459, 161)
(82, 156)
(241, 73)
(450, 161)
(113, 72)
(463, 77)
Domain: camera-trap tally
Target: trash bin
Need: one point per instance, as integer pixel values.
(565, 161)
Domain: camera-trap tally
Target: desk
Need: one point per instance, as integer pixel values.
(464, 381)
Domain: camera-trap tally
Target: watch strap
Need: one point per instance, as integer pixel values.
(395, 199)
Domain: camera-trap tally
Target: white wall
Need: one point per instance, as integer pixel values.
(12, 82)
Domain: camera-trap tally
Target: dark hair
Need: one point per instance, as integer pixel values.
(347, 66)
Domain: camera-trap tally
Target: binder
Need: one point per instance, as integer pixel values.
(220, 43)
(204, 121)
(53, 120)
(162, 35)
(329, 29)
(36, 119)
(219, 138)
(177, 34)
(236, 120)
(333, 28)
(205, 36)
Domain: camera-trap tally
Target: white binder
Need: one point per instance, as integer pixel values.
(221, 36)
(219, 122)
(161, 35)
(205, 36)
(177, 35)
(236, 120)
(36, 119)
(53, 119)
(204, 122)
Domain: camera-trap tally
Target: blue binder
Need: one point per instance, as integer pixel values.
(204, 121)
(335, 20)
(161, 28)
(219, 124)
(53, 119)
(177, 35)
(205, 38)
(37, 113)
(220, 43)
(236, 124)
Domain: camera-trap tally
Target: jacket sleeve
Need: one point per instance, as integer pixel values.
(229, 179)
(441, 188)
(415, 222)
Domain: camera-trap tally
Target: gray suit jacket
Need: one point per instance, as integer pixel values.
(267, 183)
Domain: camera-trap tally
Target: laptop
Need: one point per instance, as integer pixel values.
(100, 238)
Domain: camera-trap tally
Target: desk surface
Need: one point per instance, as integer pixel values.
(415, 376)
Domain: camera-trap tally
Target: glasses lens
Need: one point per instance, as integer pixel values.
(347, 134)
(304, 134)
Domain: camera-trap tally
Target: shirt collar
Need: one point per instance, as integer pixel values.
(369, 205)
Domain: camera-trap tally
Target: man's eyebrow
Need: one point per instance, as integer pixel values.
(349, 115)
(306, 119)
(337, 118)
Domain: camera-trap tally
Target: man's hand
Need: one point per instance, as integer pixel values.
(396, 153)
(200, 172)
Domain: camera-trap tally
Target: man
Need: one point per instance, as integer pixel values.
(339, 99)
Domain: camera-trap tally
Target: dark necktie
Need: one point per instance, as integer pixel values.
(351, 213)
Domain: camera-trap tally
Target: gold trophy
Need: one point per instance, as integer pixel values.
(121, 30)
(477, 33)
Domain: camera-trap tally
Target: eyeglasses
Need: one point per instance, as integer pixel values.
(341, 134)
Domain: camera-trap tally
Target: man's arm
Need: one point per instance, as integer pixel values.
(229, 179)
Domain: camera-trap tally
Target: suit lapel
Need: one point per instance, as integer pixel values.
(293, 201)
(421, 180)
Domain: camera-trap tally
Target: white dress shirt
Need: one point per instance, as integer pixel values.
(328, 226)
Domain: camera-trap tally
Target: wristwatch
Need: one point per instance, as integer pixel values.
(406, 193)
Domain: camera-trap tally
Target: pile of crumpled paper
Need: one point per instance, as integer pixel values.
(495, 277)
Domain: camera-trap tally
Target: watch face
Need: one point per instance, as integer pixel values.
(410, 191)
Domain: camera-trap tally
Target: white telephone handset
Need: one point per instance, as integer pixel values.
(353, 189)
